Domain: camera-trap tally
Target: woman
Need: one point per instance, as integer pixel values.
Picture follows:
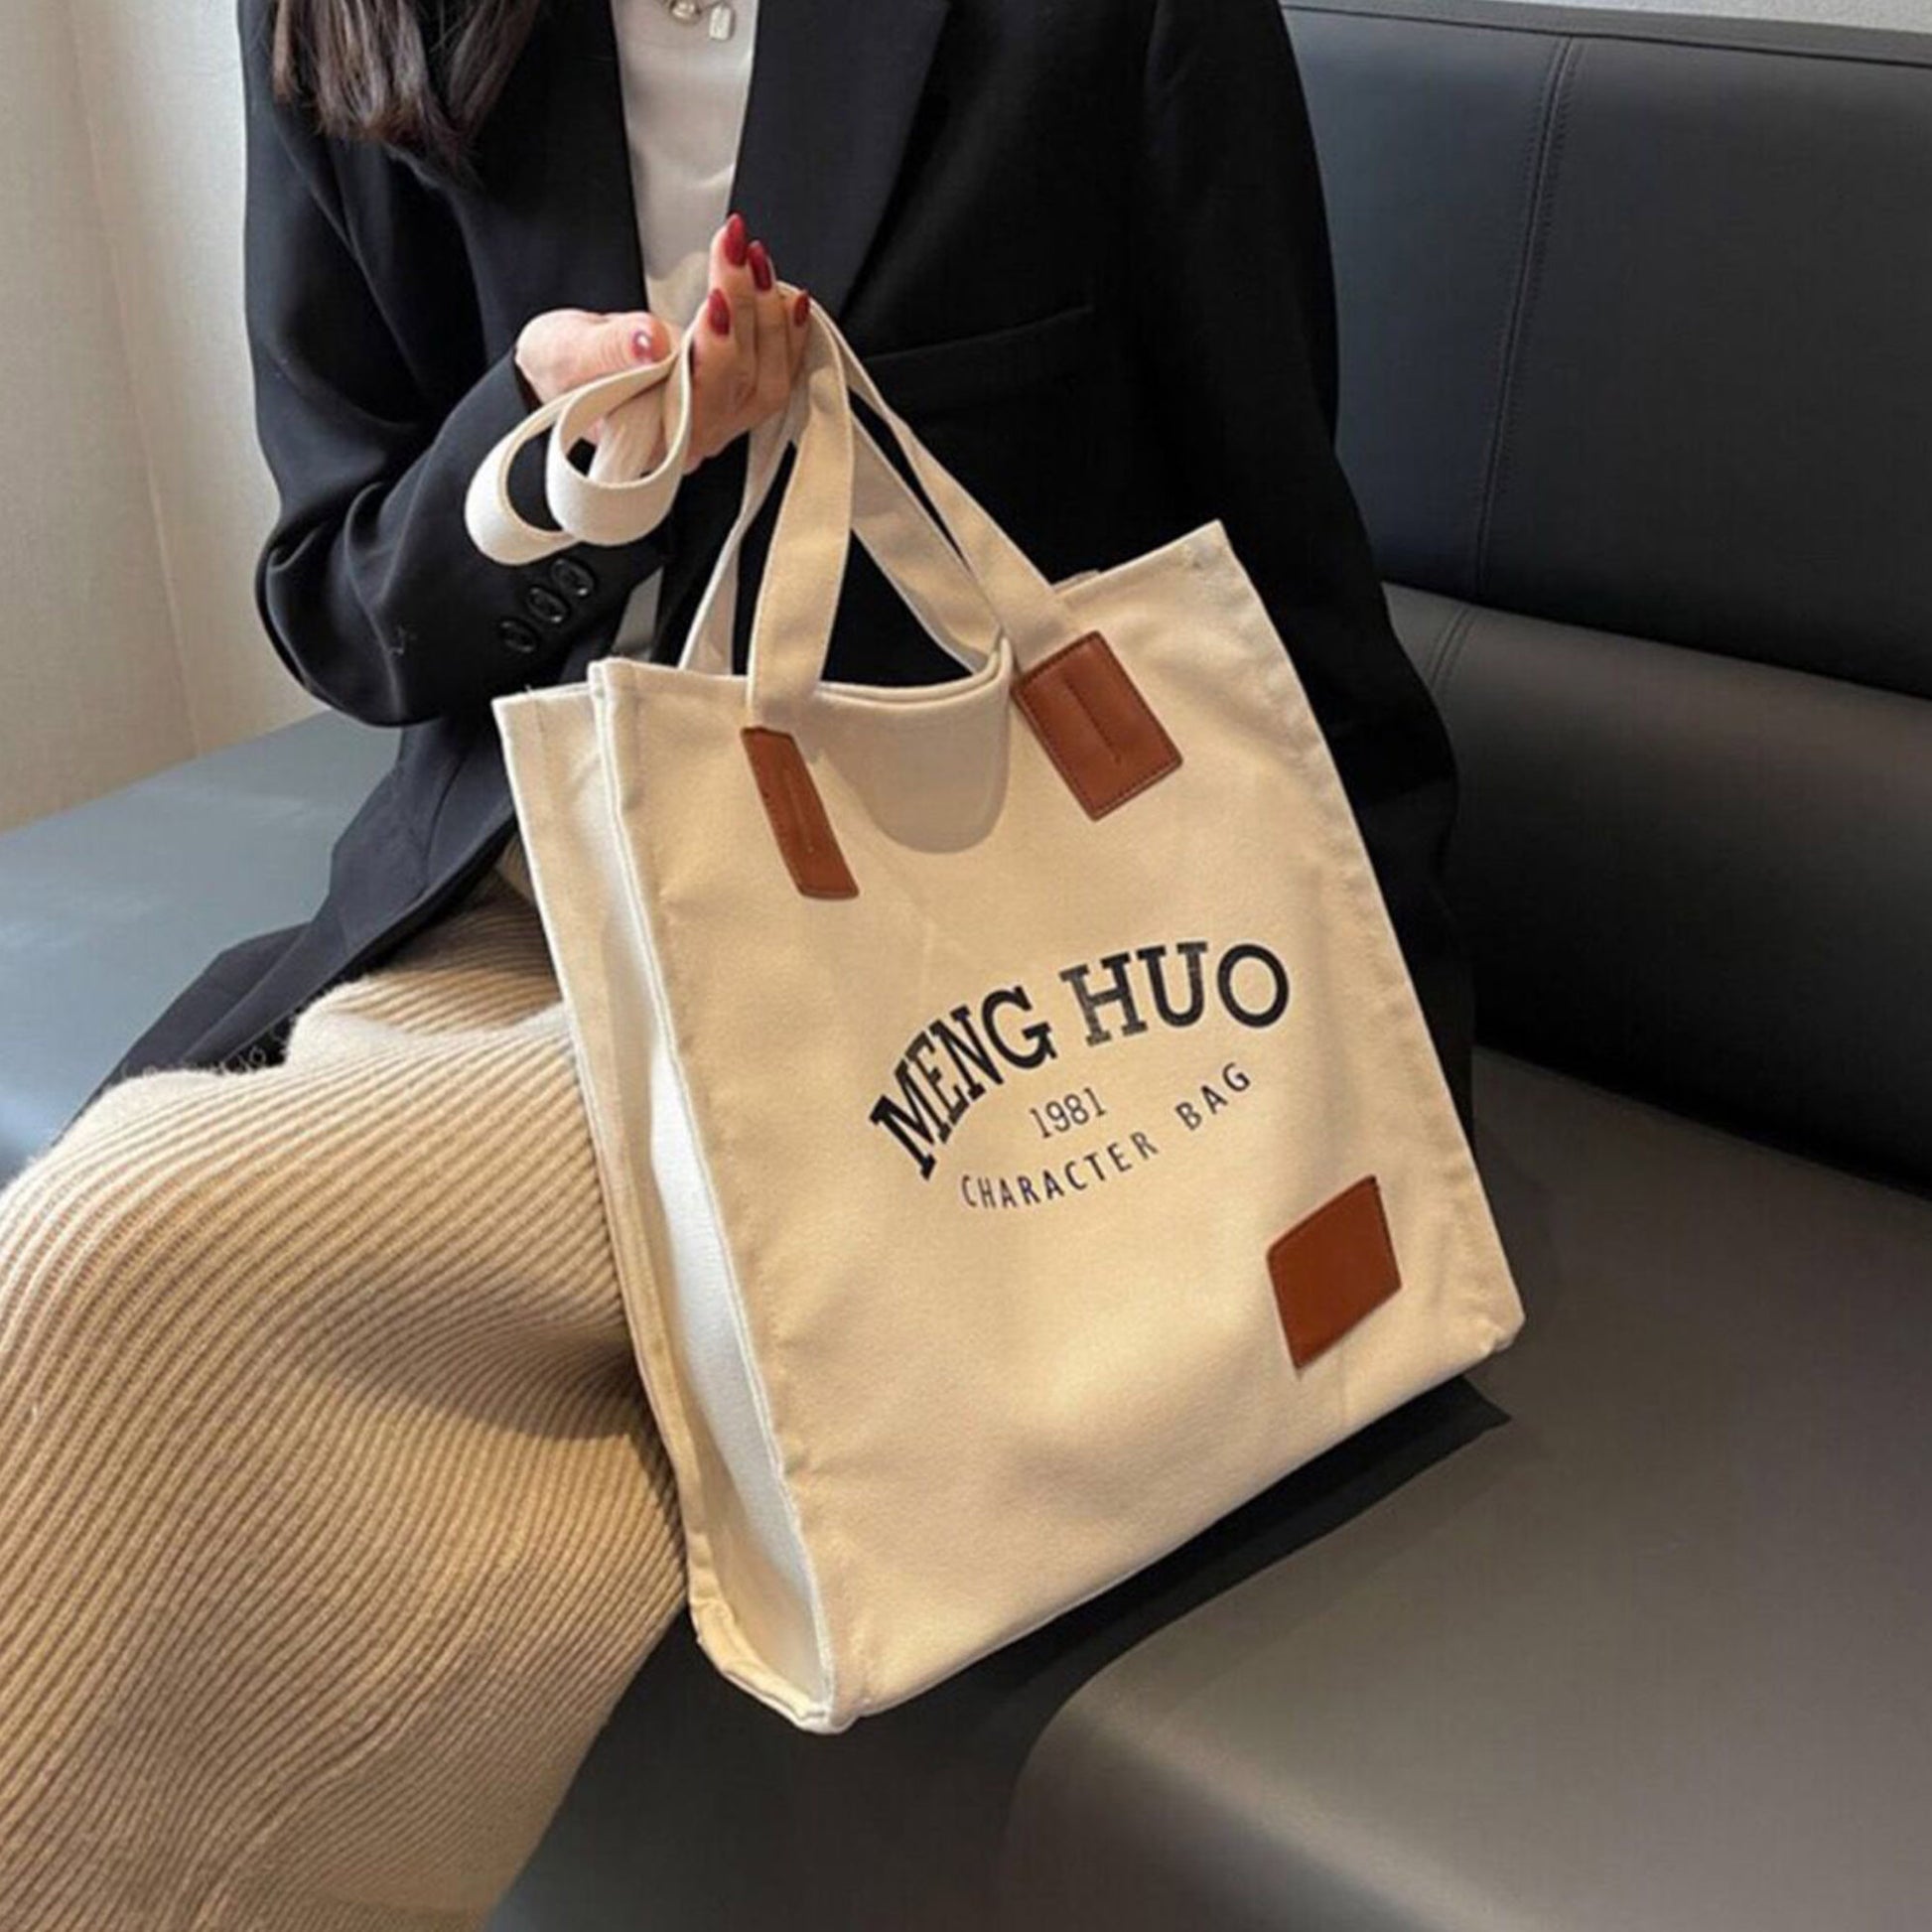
(331, 1510)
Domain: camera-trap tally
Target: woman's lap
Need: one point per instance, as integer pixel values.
(333, 1517)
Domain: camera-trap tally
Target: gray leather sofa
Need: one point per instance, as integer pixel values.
(1632, 1632)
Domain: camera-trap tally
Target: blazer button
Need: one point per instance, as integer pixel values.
(546, 606)
(514, 634)
(573, 577)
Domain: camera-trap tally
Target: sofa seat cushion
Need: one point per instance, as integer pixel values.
(109, 910)
(1655, 1653)
(1652, 1650)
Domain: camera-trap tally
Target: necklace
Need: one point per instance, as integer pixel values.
(719, 18)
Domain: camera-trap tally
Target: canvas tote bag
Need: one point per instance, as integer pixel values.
(1021, 1138)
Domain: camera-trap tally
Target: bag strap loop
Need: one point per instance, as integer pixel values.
(618, 499)
(798, 599)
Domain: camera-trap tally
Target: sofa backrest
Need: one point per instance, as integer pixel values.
(1637, 395)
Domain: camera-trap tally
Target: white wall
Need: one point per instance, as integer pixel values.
(92, 686)
(132, 498)
(164, 97)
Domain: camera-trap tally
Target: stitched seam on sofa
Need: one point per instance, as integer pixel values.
(1430, 660)
(1532, 166)
(1454, 646)
(1536, 230)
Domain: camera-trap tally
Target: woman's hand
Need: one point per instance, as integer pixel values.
(750, 344)
(566, 348)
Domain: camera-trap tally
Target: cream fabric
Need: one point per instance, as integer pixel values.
(944, 1342)
(331, 1519)
(685, 91)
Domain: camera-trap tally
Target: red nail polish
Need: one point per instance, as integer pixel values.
(761, 265)
(735, 241)
(717, 311)
(641, 345)
(802, 307)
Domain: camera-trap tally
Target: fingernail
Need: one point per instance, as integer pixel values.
(640, 345)
(802, 307)
(717, 311)
(761, 265)
(734, 239)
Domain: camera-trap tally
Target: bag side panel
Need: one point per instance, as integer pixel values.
(749, 1597)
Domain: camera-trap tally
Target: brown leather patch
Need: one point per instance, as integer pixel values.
(1332, 1268)
(797, 814)
(1095, 725)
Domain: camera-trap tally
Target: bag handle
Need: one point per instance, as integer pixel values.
(1093, 722)
(896, 531)
(798, 598)
(1091, 718)
(618, 500)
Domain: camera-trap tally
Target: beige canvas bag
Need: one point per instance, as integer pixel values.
(1021, 1138)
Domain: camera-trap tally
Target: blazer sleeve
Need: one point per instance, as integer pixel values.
(1234, 301)
(370, 587)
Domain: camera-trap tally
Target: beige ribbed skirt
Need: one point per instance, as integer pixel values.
(333, 1521)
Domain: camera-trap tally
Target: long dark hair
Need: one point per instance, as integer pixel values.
(417, 75)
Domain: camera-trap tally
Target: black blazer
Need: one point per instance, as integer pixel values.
(1082, 247)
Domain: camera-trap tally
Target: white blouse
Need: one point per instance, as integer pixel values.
(685, 83)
